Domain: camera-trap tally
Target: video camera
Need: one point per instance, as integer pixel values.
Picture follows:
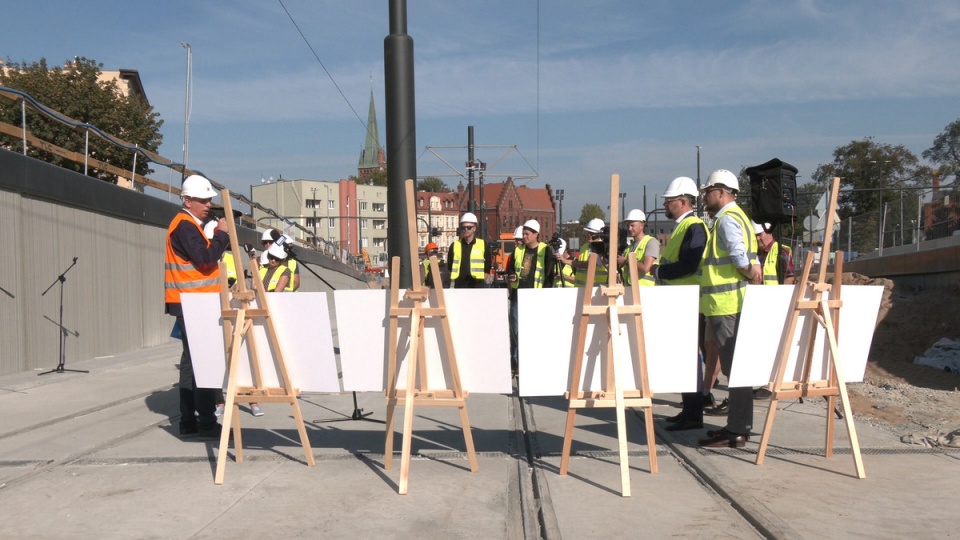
(556, 242)
(605, 235)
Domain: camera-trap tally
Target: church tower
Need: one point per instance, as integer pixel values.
(372, 157)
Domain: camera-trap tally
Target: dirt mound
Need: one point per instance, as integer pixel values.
(896, 393)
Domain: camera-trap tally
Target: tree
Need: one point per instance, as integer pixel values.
(376, 178)
(590, 211)
(872, 175)
(432, 184)
(76, 92)
(945, 151)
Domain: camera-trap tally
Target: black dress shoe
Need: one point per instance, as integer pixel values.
(724, 431)
(724, 439)
(684, 425)
(676, 418)
(718, 410)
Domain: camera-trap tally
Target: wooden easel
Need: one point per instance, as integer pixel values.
(238, 325)
(412, 394)
(824, 309)
(613, 394)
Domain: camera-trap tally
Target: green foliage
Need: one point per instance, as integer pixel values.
(77, 93)
(871, 175)
(432, 184)
(945, 151)
(591, 211)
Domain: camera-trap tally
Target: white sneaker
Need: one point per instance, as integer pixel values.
(219, 412)
(256, 410)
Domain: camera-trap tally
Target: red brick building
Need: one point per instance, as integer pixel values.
(506, 206)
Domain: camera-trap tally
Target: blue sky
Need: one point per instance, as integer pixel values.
(581, 89)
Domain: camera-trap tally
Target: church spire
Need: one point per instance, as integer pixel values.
(372, 157)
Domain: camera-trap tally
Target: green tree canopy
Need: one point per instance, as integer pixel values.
(591, 211)
(945, 151)
(76, 91)
(871, 175)
(376, 178)
(432, 184)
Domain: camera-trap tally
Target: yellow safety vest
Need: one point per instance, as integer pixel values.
(231, 269)
(559, 281)
(722, 286)
(476, 259)
(671, 252)
(518, 255)
(637, 250)
(291, 264)
(581, 273)
(271, 284)
(770, 265)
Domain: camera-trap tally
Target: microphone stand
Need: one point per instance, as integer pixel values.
(61, 279)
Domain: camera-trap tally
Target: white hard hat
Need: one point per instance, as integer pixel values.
(518, 234)
(532, 225)
(267, 235)
(681, 185)
(198, 187)
(636, 215)
(595, 225)
(277, 251)
(722, 177)
(469, 218)
(758, 228)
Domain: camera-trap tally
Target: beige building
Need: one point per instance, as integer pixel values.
(344, 217)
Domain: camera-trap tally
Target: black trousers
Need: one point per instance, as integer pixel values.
(197, 405)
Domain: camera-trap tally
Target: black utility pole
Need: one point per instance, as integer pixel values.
(471, 203)
(401, 133)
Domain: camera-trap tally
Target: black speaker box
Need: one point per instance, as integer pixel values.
(773, 191)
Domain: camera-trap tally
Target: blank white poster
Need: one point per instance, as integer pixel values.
(302, 322)
(548, 323)
(479, 332)
(762, 321)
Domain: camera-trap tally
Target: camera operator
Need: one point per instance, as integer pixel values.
(645, 248)
(594, 230)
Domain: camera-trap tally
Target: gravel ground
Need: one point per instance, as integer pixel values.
(919, 404)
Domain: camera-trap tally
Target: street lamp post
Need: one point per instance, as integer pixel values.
(186, 109)
(623, 199)
(315, 242)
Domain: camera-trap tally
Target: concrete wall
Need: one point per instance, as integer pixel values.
(113, 296)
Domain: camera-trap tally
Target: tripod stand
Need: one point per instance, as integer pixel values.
(62, 278)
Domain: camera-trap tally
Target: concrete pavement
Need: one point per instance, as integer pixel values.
(97, 454)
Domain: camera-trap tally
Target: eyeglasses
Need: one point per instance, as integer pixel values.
(711, 190)
(266, 242)
(668, 201)
(201, 201)
(469, 227)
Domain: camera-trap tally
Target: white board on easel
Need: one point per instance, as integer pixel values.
(478, 322)
(765, 308)
(302, 321)
(548, 335)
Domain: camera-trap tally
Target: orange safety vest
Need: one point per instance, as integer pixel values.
(181, 275)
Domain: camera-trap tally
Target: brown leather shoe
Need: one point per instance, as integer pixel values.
(724, 439)
(715, 432)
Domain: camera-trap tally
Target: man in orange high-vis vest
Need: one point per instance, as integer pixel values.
(191, 265)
